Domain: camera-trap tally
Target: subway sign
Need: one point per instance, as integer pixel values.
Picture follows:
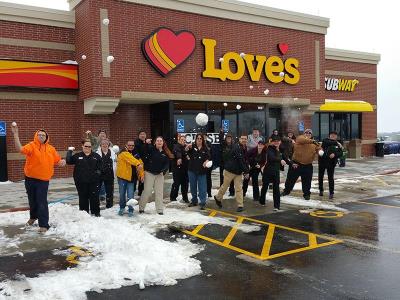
(345, 85)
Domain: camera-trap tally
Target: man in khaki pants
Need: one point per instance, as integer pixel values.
(235, 168)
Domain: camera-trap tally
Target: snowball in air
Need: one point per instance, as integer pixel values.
(321, 153)
(221, 60)
(110, 59)
(83, 56)
(238, 106)
(201, 119)
(132, 202)
(266, 92)
(106, 21)
(242, 55)
(281, 74)
(71, 148)
(14, 124)
(225, 104)
(209, 164)
(251, 87)
(141, 285)
(115, 148)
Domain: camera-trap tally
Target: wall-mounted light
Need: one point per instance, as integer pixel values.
(225, 104)
(260, 107)
(106, 22)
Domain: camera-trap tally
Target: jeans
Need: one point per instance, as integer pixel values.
(198, 181)
(37, 196)
(126, 188)
(102, 192)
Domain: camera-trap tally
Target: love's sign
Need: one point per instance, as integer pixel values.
(166, 50)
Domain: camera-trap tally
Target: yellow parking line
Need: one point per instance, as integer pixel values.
(377, 204)
(233, 231)
(268, 241)
(199, 227)
(312, 240)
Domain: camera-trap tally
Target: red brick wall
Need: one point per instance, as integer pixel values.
(130, 23)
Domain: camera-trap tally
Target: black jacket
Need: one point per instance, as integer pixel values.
(256, 158)
(330, 146)
(274, 158)
(155, 161)
(107, 171)
(197, 158)
(139, 147)
(87, 167)
(180, 153)
(234, 160)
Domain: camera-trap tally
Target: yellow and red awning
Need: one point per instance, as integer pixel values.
(38, 75)
(346, 106)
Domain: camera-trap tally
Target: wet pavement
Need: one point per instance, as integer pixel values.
(302, 253)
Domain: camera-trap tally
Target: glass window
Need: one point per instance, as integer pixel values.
(355, 125)
(251, 116)
(324, 119)
(315, 126)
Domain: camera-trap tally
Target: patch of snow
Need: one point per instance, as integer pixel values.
(310, 203)
(6, 182)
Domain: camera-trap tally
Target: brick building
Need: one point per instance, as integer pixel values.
(244, 65)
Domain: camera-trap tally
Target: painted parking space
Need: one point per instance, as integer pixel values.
(388, 201)
(271, 235)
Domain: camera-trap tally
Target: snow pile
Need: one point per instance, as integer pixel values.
(7, 244)
(126, 251)
(310, 203)
(6, 182)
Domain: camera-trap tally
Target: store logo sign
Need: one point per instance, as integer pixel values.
(275, 68)
(346, 85)
(166, 50)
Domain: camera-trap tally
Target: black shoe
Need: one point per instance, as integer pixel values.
(321, 193)
(284, 194)
(218, 202)
(141, 211)
(161, 213)
(231, 194)
(202, 207)
(209, 195)
(186, 200)
(330, 196)
(172, 199)
(191, 204)
(240, 209)
(307, 197)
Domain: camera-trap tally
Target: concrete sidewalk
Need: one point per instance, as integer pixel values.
(360, 179)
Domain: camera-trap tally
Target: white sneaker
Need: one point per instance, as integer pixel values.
(276, 209)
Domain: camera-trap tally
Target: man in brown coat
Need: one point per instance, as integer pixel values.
(304, 153)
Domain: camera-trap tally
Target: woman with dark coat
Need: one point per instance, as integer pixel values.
(180, 170)
(108, 167)
(257, 158)
(156, 165)
(87, 173)
(199, 156)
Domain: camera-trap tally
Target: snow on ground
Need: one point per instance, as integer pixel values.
(7, 244)
(126, 251)
(310, 203)
(6, 182)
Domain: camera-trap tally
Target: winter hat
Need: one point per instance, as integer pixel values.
(275, 138)
(308, 130)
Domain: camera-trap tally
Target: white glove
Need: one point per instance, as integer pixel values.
(321, 153)
(209, 164)
(71, 148)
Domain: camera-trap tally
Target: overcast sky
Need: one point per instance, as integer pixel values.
(354, 25)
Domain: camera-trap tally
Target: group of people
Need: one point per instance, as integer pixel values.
(143, 163)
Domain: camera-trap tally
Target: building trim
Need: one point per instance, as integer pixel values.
(352, 56)
(368, 142)
(36, 15)
(36, 44)
(37, 96)
(129, 97)
(105, 43)
(100, 105)
(240, 11)
(317, 66)
(350, 74)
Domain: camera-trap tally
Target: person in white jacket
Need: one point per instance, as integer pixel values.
(108, 169)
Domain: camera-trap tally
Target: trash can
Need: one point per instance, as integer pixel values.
(380, 149)
(354, 149)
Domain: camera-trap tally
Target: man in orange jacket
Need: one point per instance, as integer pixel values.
(41, 158)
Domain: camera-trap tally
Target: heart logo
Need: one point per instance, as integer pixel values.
(283, 48)
(166, 50)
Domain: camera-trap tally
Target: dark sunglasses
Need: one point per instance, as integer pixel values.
(307, 132)
(87, 146)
